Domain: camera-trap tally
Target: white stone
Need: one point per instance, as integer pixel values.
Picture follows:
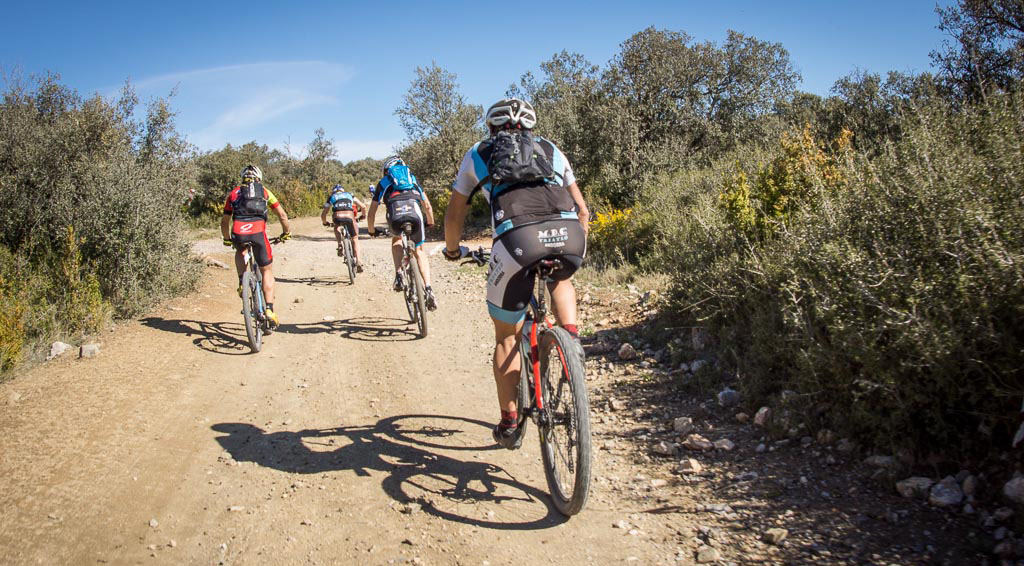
(969, 486)
(697, 442)
(89, 351)
(689, 466)
(682, 425)
(627, 352)
(762, 416)
(725, 444)
(946, 493)
(664, 448)
(775, 536)
(695, 365)
(728, 397)
(1014, 490)
(58, 348)
(914, 488)
(879, 461)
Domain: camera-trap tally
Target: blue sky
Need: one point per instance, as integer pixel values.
(275, 71)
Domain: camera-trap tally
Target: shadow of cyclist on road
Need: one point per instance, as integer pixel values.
(363, 328)
(439, 483)
(218, 337)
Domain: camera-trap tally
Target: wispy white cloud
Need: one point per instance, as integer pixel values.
(266, 102)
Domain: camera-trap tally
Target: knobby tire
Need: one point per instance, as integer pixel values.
(420, 302)
(250, 309)
(350, 261)
(565, 440)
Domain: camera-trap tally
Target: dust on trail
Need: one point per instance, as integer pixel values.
(347, 440)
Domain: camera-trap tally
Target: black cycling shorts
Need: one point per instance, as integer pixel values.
(407, 210)
(255, 232)
(340, 219)
(514, 256)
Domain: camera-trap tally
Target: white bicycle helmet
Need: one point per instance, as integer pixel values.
(391, 162)
(511, 111)
(337, 188)
(252, 171)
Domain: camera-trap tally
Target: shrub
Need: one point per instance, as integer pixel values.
(895, 306)
(92, 204)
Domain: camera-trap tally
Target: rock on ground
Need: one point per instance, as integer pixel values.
(58, 348)
(762, 416)
(682, 425)
(89, 351)
(914, 488)
(627, 352)
(697, 442)
(775, 536)
(946, 493)
(1014, 490)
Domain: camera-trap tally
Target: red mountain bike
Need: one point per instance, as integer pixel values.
(552, 393)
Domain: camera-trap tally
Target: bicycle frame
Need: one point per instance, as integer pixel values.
(250, 265)
(538, 304)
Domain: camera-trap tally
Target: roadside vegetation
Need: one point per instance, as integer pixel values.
(857, 256)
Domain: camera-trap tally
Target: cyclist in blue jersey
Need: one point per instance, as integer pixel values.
(537, 212)
(405, 201)
(344, 207)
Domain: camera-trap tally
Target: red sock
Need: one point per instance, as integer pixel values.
(571, 329)
(509, 419)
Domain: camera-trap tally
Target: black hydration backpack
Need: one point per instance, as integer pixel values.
(251, 202)
(517, 158)
(525, 188)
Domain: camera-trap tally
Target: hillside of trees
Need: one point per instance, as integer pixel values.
(853, 258)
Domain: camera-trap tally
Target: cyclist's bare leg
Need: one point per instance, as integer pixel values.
(421, 259)
(337, 234)
(563, 301)
(355, 246)
(239, 263)
(268, 282)
(396, 252)
(506, 362)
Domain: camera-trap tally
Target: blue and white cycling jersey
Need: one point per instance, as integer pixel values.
(338, 200)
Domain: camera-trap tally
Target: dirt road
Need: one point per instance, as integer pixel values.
(346, 441)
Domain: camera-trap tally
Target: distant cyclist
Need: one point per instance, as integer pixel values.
(405, 202)
(245, 220)
(537, 212)
(344, 207)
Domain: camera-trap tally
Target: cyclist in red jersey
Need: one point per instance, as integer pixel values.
(245, 220)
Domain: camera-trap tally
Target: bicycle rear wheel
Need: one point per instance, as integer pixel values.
(565, 432)
(350, 260)
(250, 311)
(418, 304)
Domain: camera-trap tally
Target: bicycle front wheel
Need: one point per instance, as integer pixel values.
(565, 426)
(418, 304)
(250, 311)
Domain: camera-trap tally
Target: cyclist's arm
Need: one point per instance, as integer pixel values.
(323, 213)
(581, 206)
(454, 219)
(429, 210)
(225, 225)
(361, 208)
(370, 216)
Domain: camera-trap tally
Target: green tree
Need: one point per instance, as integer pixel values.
(986, 49)
(439, 124)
